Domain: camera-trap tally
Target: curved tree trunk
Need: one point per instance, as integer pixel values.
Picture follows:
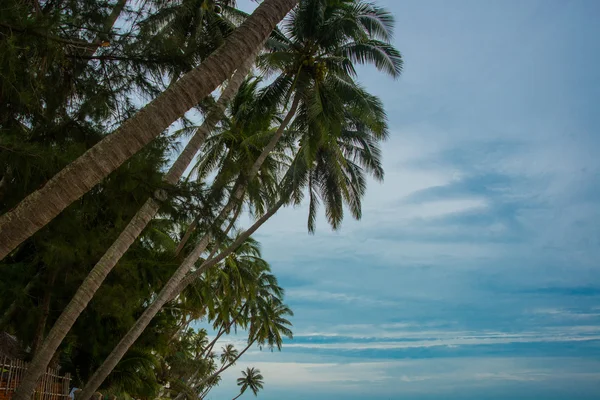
(186, 236)
(237, 243)
(207, 350)
(112, 256)
(173, 285)
(40, 207)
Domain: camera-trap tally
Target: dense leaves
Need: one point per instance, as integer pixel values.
(71, 71)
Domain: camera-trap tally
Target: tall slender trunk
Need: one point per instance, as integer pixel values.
(237, 243)
(238, 396)
(222, 331)
(92, 282)
(180, 328)
(40, 207)
(186, 236)
(173, 287)
(169, 290)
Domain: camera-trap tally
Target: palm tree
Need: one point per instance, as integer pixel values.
(229, 354)
(185, 32)
(127, 237)
(267, 319)
(320, 99)
(40, 207)
(231, 151)
(251, 378)
(168, 291)
(242, 277)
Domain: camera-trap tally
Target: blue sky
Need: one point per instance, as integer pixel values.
(473, 273)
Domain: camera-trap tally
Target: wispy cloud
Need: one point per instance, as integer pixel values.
(474, 270)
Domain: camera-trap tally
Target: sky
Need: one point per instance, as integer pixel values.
(473, 273)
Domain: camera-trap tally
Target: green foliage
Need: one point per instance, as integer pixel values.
(71, 71)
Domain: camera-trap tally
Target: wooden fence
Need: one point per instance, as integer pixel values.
(52, 386)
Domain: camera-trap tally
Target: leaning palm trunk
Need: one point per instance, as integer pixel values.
(43, 205)
(171, 287)
(238, 396)
(92, 282)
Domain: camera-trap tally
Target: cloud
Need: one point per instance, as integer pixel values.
(474, 270)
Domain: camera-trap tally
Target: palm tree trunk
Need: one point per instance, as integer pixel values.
(180, 328)
(92, 282)
(239, 240)
(40, 207)
(173, 287)
(275, 139)
(209, 348)
(169, 290)
(222, 331)
(186, 236)
(127, 341)
(238, 396)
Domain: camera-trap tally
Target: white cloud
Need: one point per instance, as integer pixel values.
(416, 375)
(324, 296)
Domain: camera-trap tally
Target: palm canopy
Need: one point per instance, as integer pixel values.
(322, 36)
(251, 378)
(231, 150)
(229, 354)
(338, 125)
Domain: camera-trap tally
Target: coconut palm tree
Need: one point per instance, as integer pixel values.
(251, 378)
(242, 277)
(41, 206)
(229, 354)
(231, 151)
(127, 237)
(268, 324)
(320, 110)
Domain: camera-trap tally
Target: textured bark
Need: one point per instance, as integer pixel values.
(40, 207)
(121, 348)
(131, 232)
(275, 139)
(173, 286)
